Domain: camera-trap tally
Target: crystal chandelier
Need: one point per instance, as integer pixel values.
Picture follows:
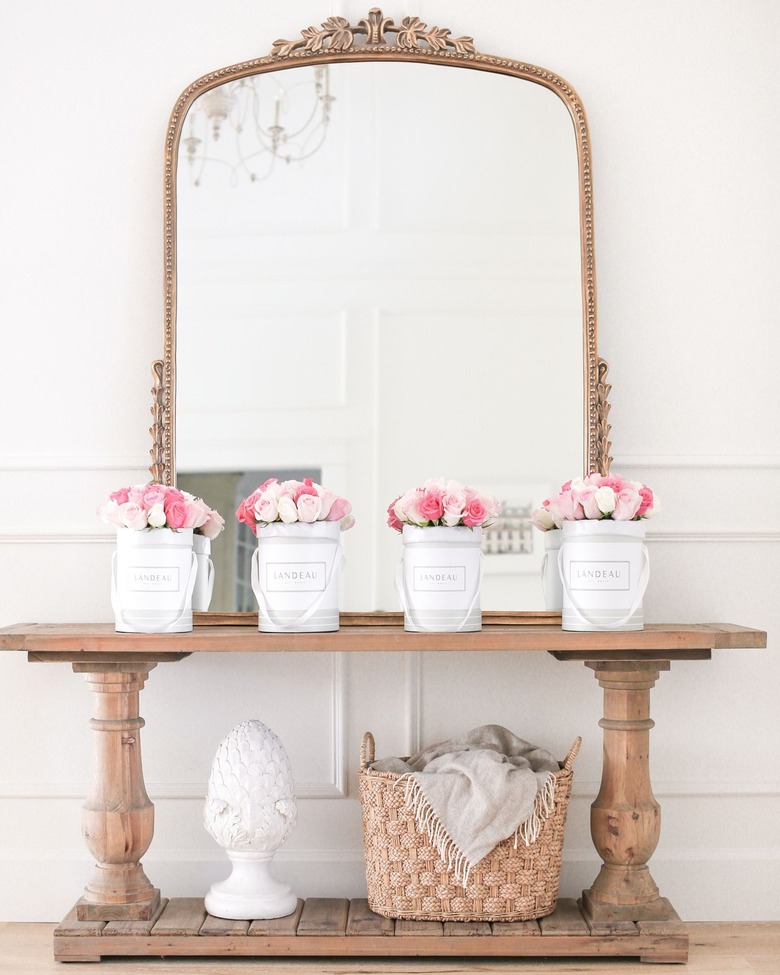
(250, 124)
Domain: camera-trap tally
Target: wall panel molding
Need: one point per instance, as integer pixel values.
(8, 537)
(701, 462)
(73, 463)
(11, 791)
(725, 537)
(412, 702)
(56, 538)
(334, 786)
(676, 789)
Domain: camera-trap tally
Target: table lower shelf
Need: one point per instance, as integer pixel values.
(339, 927)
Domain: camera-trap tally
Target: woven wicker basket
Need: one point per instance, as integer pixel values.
(408, 879)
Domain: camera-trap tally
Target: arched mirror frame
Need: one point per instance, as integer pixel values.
(338, 41)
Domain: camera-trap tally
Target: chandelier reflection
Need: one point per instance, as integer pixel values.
(250, 125)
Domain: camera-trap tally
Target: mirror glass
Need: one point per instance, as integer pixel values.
(381, 286)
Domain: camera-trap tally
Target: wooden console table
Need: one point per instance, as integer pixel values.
(122, 913)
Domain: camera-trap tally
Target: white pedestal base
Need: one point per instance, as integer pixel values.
(250, 892)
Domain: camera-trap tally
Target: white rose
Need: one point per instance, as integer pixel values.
(346, 523)
(156, 516)
(435, 484)
(288, 513)
(605, 500)
(327, 498)
(542, 518)
(110, 513)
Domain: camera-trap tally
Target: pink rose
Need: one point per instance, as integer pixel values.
(213, 525)
(392, 518)
(245, 512)
(407, 508)
(175, 512)
(339, 509)
(309, 507)
(197, 512)
(647, 502)
(305, 489)
(586, 497)
(430, 505)
(616, 482)
(475, 512)
(120, 496)
(627, 504)
(453, 502)
(265, 509)
(153, 494)
(566, 507)
(132, 515)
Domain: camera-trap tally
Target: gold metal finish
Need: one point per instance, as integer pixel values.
(338, 41)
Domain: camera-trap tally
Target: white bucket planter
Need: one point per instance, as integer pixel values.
(439, 579)
(295, 577)
(604, 568)
(551, 575)
(153, 575)
(204, 580)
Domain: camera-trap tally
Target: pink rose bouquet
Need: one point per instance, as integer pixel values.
(158, 506)
(440, 502)
(289, 501)
(595, 497)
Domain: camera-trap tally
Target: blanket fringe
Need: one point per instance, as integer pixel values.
(430, 824)
(543, 807)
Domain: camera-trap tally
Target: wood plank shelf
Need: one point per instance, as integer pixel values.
(338, 927)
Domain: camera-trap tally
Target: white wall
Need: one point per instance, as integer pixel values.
(681, 97)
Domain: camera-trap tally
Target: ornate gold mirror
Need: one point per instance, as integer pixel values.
(379, 268)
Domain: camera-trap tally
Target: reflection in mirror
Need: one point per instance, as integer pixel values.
(404, 303)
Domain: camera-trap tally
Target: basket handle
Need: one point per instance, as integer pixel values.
(366, 751)
(572, 754)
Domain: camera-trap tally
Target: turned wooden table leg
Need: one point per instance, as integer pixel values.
(625, 819)
(118, 816)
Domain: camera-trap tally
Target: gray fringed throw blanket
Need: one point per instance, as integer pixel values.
(470, 793)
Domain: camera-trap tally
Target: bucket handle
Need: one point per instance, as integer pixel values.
(339, 561)
(367, 751)
(210, 576)
(644, 578)
(569, 760)
(400, 587)
(545, 563)
(153, 627)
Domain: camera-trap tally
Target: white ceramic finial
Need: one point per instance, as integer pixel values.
(250, 811)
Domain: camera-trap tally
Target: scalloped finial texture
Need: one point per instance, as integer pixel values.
(250, 804)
